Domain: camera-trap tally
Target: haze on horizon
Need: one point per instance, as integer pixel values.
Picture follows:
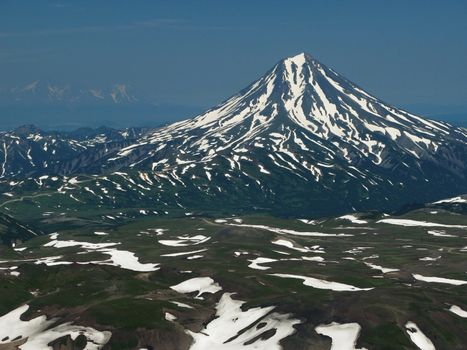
(180, 58)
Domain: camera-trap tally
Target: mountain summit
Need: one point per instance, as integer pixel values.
(300, 139)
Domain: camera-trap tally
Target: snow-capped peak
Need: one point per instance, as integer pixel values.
(306, 117)
(302, 93)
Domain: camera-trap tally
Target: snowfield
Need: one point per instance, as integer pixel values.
(353, 219)
(458, 311)
(408, 222)
(71, 243)
(185, 253)
(234, 328)
(120, 258)
(439, 233)
(257, 263)
(198, 284)
(184, 241)
(291, 245)
(382, 269)
(417, 337)
(322, 284)
(458, 199)
(284, 231)
(439, 280)
(343, 336)
(126, 260)
(38, 332)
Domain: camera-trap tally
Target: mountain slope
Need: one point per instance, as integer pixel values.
(28, 151)
(301, 139)
(12, 231)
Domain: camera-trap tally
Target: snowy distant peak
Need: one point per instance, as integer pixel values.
(121, 92)
(31, 87)
(47, 92)
(57, 93)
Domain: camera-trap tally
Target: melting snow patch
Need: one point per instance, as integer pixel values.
(353, 219)
(255, 263)
(98, 233)
(234, 328)
(121, 258)
(418, 338)
(289, 244)
(428, 258)
(439, 233)
(281, 252)
(198, 284)
(126, 260)
(452, 200)
(186, 306)
(308, 222)
(86, 245)
(458, 311)
(52, 261)
(357, 250)
(170, 317)
(185, 253)
(53, 236)
(283, 231)
(439, 280)
(313, 258)
(38, 335)
(237, 254)
(343, 336)
(263, 170)
(322, 284)
(382, 269)
(184, 241)
(11, 270)
(158, 231)
(194, 257)
(407, 222)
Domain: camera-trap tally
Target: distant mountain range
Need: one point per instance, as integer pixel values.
(302, 139)
(43, 92)
(66, 107)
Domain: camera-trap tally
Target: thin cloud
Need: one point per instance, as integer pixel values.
(23, 55)
(152, 23)
(60, 5)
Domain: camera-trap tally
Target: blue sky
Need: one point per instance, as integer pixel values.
(197, 53)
